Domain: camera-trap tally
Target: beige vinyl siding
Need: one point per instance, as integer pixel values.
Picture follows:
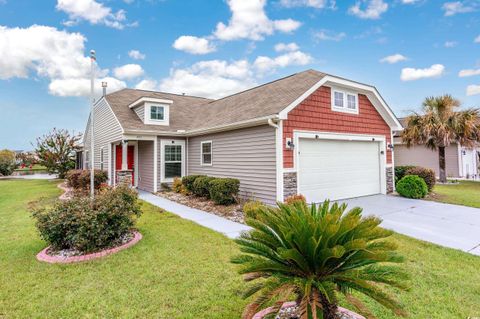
(422, 156)
(106, 130)
(247, 154)
(140, 110)
(145, 165)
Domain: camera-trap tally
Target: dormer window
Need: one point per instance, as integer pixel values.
(153, 111)
(344, 101)
(157, 113)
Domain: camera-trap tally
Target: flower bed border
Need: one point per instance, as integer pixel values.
(267, 311)
(43, 256)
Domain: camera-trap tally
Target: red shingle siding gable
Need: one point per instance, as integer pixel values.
(315, 114)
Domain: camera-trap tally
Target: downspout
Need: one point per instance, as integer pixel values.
(278, 157)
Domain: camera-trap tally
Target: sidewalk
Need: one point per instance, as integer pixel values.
(222, 225)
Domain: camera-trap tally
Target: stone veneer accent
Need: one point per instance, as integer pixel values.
(390, 179)
(289, 184)
(125, 177)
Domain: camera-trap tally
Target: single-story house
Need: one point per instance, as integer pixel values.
(460, 162)
(312, 133)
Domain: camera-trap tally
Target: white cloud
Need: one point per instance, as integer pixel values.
(282, 47)
(477, 39)
(81, 86)
(395, 58)
(249, 21)
(93, 12)
(450, 44)
(213, 79)
(471, 72)
(473, 90)
(44, 51)
(373, 10)
(409, 1)
(411, 74)
(136, 55)
(219, 78)
(128, 71)
(326, 35)
(318, 4)
(193, 45)
(455, 7)
(264, 64)
(147, 84)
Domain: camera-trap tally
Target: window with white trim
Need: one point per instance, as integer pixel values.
(206, 150)
(173, 161)
(157, 113)
(344, 101)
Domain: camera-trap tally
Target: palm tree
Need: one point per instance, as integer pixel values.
(313, 254)
(441, 125)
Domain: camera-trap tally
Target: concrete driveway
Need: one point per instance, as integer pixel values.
(448, 225)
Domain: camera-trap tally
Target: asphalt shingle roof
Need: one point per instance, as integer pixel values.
(190, 113)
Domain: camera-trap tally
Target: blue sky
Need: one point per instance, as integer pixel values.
(408, 49)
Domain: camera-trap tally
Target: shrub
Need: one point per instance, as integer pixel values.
(80, 179)
(412, 186)
(7, 162)
(201, 186)
(427, 174)
(315, 254)
(177, 185)
(401, 170)
(250, 208)
(78, 224)
(223, 191)
(188, 181)
(295, 199)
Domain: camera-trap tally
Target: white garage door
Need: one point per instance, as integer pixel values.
(333, 169)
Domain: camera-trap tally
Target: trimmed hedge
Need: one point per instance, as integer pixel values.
(400, 171)
(177, 185)
(412, 186)
(77, 224)
(223, 191)
(427, 174)
(201, 186)
(188, 181)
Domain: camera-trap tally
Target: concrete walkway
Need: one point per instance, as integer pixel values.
(31, 176)
(447, 225)
(222, 225)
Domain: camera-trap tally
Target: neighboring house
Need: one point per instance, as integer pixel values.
(460, 162)
(309, 133)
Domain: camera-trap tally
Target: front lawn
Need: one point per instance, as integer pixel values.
(465, 193)
(182, 270)
(36, 167)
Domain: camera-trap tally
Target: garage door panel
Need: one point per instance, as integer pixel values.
(331, 169)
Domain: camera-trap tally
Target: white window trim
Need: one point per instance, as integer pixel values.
(149, 120)
(201, 153)
(164, 142)
(345, 108)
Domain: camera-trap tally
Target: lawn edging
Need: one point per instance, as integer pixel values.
(43, 256)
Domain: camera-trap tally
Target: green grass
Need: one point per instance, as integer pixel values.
(465, 193)
(182, 270)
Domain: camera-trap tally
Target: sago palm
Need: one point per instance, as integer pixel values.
(440, 125)
(314, 253)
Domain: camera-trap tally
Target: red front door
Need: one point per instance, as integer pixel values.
(130, 161)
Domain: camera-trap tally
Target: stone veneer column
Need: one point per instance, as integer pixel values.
(289, 184)
(390, 179)
(125, 177)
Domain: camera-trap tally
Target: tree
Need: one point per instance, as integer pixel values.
(440, 125)
(7, 162)
(26, 159)
(56, 151)
(314, 253)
